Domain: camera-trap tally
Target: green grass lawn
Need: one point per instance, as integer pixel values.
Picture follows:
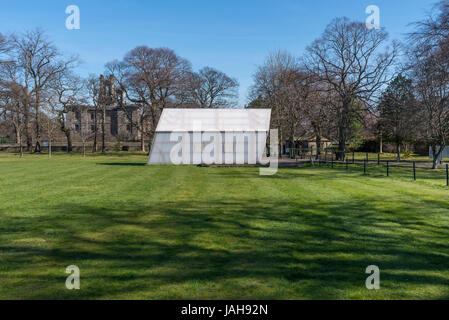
(165, 232)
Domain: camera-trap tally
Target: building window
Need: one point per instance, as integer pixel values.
(77, 127)
(92, 116)
(128, 128)
(92, 128)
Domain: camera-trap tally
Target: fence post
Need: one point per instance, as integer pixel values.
(367, 157)
(378, 159)
(332, 162)
(364, 167)
(447, 175)
(414, 170)
(353, 157)
(347, 164)
(388, 168)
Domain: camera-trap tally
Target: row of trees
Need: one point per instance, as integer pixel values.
(38, 88)
(158, 78)
(352, 77)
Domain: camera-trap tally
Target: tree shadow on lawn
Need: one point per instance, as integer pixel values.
(256, 249)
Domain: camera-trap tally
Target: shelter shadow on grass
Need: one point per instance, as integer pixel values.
(132, 164)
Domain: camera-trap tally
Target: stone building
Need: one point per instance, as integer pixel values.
(118, 127)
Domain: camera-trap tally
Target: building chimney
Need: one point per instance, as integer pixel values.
(112, 89)
(102, 86)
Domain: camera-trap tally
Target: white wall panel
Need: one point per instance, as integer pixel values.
(189, 148)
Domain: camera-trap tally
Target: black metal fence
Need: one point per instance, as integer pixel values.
(373, 163)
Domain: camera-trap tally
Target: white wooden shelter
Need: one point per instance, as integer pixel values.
(210, 136)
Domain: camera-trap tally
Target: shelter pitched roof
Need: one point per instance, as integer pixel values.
(214, 120)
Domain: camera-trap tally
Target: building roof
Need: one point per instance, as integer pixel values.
(214, 120)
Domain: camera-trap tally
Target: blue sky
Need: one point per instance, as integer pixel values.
(232, 36)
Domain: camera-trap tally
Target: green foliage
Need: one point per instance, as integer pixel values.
(398, 112)
(355, 126)
(257, 103)
(407, 153)
(5, 140)
(117, 147)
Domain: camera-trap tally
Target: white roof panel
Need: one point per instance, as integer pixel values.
(214, 120)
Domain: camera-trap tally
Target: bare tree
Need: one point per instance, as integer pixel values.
(67, 92)
(318, 110)
(84, 133)
(41, 62)
(346, 57)
(103, 102)
(429, 67)
(210, 88)
(12, 109)
(432, 90)
(93, 89)
(16, 80)
(151, 78)
(398, 113)
(4, 48)
(276, 82)
(432, 32)
(50, 120)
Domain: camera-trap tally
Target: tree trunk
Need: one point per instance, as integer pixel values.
(317, 131)
(21, 149)
(381, 147)
(49, 148)
(69, 140)
(150, 141)
(398, 151)
(436, 156)
(66, 131)
(84, 148)
(19, 140)
(292, 146)
(94, 146)
(318, 147)
(341, 152)
(280, 142)
(341, 144)
(103, 133)
(27, 128)
(142, 142)
(37, 148)
(342, 129)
